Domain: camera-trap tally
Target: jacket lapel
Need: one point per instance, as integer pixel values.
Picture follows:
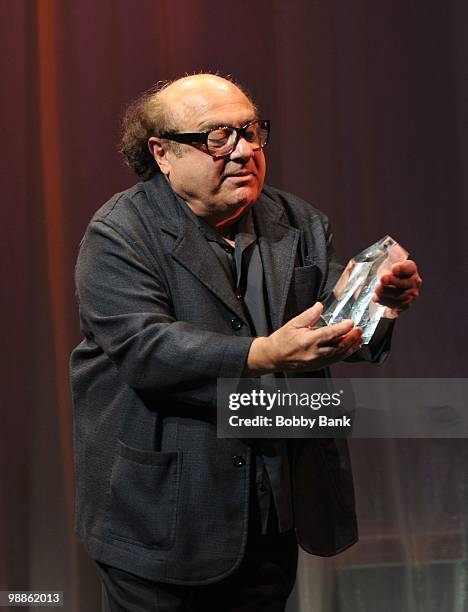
(278, 245)
(194, 253)
(190, 248)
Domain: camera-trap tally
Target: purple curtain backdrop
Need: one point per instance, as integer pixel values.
(368, 103)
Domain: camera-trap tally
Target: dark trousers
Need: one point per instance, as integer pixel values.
(262, 583)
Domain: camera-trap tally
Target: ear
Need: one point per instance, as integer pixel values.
(160, 153)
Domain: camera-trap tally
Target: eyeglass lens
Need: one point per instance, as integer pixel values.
(223, 140)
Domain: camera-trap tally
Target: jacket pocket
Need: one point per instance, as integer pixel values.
(143, 496)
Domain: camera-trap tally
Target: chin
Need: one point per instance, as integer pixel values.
(245, 196)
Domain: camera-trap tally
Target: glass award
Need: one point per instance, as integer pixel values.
(352, 296)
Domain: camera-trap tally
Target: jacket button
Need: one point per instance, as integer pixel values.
(236, 324)
(238, 461)
(261, 487)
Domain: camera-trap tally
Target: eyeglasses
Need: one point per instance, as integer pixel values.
(222, 141)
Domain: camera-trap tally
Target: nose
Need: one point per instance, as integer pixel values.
(243, 150)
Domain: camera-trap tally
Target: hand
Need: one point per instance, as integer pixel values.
(297, 346)
(399, 289)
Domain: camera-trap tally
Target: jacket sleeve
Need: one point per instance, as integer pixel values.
(125, 309)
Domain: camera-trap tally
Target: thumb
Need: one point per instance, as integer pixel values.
(308, 317)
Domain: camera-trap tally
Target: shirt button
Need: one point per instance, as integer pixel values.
(238, 461)
(227, 249)
(236, 324)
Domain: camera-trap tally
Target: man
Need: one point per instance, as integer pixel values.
(196, 273)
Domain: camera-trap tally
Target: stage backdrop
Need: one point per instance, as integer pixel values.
(368, 103)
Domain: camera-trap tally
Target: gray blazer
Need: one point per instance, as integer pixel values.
(158, 494)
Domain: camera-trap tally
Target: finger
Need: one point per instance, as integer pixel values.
(338, 353)
(405, 268)
(396, 292)
(343, 342)
(391, 280)
(353, 344)
(328, 336)
(395, 296)
(308, 317)
(338, 343)
(398, 305)
(355, 347)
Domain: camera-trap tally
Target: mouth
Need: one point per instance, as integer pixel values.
(242, 174)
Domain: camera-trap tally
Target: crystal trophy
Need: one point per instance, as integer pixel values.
(352, 296)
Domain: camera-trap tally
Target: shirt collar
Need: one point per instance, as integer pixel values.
(245, 231)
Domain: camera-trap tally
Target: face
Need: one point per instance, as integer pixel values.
(218, 189)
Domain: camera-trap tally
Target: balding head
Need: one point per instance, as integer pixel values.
(190, 96)
(167, 107)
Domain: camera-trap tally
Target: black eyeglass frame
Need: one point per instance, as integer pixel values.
(202, 137)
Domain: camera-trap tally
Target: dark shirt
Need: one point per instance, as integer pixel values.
(244, 272)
